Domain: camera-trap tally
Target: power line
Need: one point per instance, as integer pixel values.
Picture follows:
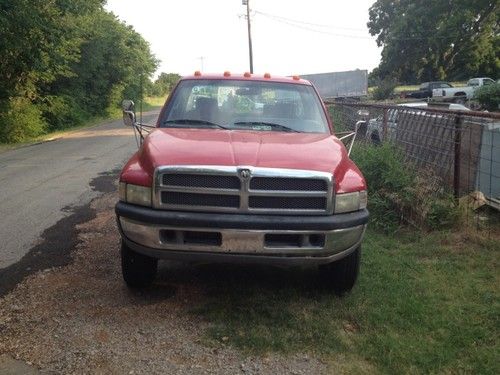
(282, 20)
(305, 26)
(307, 23)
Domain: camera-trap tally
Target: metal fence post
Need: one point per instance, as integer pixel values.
(458, 156)
(384, 125)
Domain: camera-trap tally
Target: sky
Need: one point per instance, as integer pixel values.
(289, 37)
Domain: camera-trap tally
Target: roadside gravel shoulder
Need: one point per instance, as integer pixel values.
(81, 318)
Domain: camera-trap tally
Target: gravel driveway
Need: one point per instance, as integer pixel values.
(81, 318)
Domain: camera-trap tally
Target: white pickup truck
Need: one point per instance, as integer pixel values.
(461, 94)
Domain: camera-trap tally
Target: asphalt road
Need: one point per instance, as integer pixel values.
(44, 183)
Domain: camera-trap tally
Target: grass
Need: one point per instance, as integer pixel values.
(401, 88)
(424, 303)
(59, 133)
(150, 103)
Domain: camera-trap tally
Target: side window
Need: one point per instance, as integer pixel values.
(488, 81)
(473, 82)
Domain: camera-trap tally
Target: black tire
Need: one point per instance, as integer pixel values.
(376, 139)
(342, 274)
(138, 270)
(460, 100)
(363, 127)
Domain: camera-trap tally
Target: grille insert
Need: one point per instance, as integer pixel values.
(296, 240)
(202, 200)
(202, 181)
(186, 237)
(289, 203)
(283, 240)
(288, 184)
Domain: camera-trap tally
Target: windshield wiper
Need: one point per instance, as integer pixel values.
(270, 124)
(186, 121)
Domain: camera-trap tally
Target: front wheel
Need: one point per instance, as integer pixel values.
(138, 270)
(342, 274)
(460, 100)
(375, 138)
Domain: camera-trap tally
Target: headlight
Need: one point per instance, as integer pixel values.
(349, 202)
(135, 194)
(122, 191)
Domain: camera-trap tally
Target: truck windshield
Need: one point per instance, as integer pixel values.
(246, 105)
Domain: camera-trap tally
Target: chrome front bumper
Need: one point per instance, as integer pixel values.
(200, 244)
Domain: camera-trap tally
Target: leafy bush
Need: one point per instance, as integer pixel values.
(62, 112)
(400, 194)
(21, 121)
(489, 97)
(384, 89)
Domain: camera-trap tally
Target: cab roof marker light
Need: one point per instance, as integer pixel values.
(296, 78)
(267, 75)
(197, 73)
(247, 75)
(227, 74)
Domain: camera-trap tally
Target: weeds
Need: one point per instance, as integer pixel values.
(400, 194)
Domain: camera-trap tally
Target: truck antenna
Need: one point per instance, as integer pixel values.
(141, 96)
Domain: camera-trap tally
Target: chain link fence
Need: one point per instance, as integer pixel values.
(460, 148)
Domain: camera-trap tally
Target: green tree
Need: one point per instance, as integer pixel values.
(114, 63)
(438, 39)
(164, 83)
(38, 46)
(64, 61)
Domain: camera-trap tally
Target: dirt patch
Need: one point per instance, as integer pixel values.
(81, 318)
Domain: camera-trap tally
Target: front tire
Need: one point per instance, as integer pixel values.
(342, 274)
(138, 270)
(375, 138)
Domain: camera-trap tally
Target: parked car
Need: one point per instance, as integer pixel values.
(461, 94)
(425, 90)
(218, 180)
(374, 127)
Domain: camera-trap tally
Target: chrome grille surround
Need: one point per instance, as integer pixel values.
(245, 174)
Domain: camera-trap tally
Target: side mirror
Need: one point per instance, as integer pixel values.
(129, 118)
(127, 105)
(128, 112)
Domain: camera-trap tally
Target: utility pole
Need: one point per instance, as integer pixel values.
(250, 53)
(201, 58)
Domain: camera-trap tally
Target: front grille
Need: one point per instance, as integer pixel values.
(296, 240)
(203, 181)
(289, 203)
(243, 190)
(186, 237)
(199, 200)
(288, 184)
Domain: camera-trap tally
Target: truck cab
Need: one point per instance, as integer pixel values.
(460, 95)
(425, 90)
(246, 169)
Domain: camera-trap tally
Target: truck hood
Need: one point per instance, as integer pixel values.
(309, 151)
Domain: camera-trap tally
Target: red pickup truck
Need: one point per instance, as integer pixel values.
(242, 168)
